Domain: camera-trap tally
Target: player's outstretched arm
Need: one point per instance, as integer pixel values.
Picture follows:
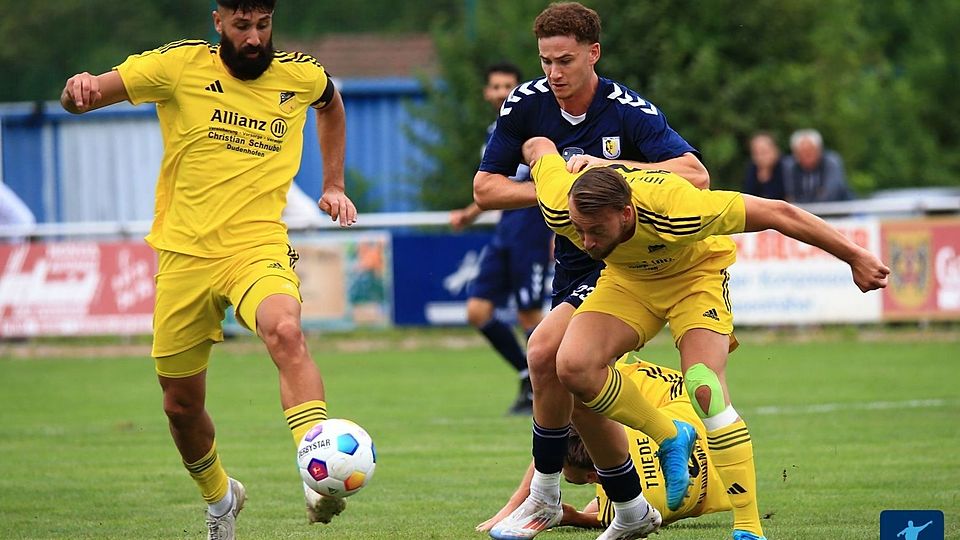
(536, 148)
(869, 272)
(493, 191)
(523, 490)
(332, 132)
(463, 217)
(687, 165)
(586, 518)
(85, 92)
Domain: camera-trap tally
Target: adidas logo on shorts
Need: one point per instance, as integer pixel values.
(711, 314)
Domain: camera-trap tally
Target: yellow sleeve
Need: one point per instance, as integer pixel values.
(323, 91)
(152, 76)
(553, 183)
(681, 213)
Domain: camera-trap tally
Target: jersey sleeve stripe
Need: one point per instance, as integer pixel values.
(553, 212)
(557, 224)
(181, 43)
(669, 227)
(678, 220)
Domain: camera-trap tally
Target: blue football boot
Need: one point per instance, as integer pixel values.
(745, 535)
(674, 457)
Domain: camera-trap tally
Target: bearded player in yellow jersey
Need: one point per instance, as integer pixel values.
(667, 252)
(663, 388)
(232, 118)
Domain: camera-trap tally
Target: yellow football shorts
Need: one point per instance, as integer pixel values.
(193, 294)
(697, 298)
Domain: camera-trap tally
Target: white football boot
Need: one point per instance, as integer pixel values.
(529, 519)
(224, 527)
(321, 509)
(631, 531)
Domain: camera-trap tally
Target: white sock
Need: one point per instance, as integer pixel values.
(545, 487)
(222, 506)
(631, 511)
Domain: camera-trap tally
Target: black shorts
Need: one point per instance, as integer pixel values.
(573, 287)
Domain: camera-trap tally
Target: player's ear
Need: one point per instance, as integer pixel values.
(594, 53)
(217, 22)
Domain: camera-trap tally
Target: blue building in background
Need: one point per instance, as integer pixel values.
(102, 166)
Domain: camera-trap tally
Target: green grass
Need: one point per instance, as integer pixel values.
(85, 452)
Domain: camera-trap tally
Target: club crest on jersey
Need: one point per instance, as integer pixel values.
(611, 147)
(287, 104)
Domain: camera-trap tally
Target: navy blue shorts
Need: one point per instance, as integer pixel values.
(518, 271)
(573, 288)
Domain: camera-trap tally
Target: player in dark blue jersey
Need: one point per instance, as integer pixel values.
(592, 120)
(514, 264)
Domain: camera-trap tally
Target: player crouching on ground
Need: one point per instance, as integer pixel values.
(663, 387)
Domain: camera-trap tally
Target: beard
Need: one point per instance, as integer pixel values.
(242, 66)
(601, 254)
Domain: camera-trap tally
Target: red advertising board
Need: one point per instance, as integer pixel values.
(76, 288)
(924, 258)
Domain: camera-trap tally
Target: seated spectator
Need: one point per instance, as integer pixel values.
(764, 176)
(812, 173)
(14, 213)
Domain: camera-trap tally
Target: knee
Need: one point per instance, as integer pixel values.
(572, 373)
(478, 314)
(477, 319)
(541, 359)
(705, 390)
(284, 335)
(181, 406)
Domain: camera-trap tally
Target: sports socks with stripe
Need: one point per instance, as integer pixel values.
(302, 417)
(731, 450)
(620, 399)
(210, 477)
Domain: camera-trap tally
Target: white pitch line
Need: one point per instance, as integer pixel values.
(823, 408)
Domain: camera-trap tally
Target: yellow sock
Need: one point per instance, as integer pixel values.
(209, 475)
(620, 399)
(732, 453)
(304, 416)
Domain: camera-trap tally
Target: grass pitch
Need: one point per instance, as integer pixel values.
(843, 429)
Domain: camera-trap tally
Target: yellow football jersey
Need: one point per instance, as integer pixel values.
(231, 147)
(676, 222)
(663, 387)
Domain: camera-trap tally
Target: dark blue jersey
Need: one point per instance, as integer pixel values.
(520, 227)
(619, 124)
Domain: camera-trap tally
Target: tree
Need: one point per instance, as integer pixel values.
(876, 79)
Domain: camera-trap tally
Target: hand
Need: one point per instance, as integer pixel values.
(336, 204)
(503, 513)
(583, 161)
(459, 219)
(869, 272)
(82, 91)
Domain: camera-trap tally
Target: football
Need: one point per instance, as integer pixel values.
(336, 458)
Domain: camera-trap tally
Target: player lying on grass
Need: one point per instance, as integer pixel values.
(663, 388)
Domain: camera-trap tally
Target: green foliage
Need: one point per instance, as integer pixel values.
(878, 80)
(455, 105)
(47, 42)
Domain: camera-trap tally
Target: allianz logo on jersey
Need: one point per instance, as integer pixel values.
(278, 127)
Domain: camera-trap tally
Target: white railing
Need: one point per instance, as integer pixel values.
(890, 207)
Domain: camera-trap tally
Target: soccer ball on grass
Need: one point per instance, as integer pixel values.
(336, 458)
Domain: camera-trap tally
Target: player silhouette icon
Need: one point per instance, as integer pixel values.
(910, 532)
